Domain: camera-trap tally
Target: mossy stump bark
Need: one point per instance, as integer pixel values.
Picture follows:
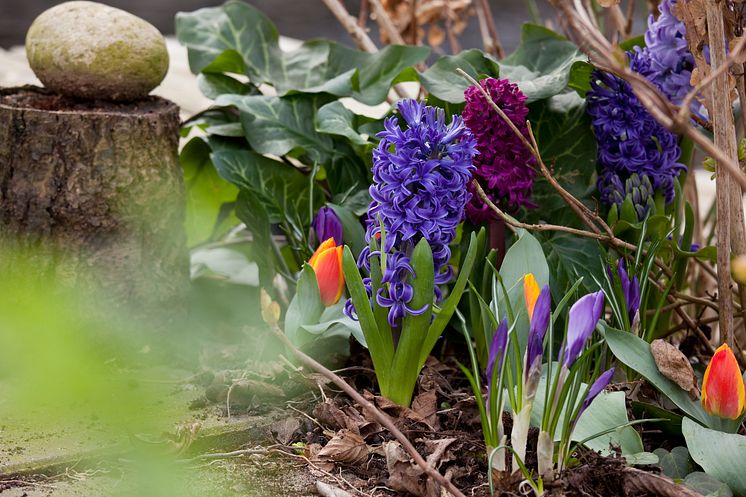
(92, 192)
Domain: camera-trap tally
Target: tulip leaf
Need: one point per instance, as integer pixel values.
(333, 321)
(635, 353)
(721, 455)
(707, 485)
(444, 314)
(305, 309)
(405, 366)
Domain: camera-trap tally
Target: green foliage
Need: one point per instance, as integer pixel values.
(443, 82)
(675, 464)
(721, 455)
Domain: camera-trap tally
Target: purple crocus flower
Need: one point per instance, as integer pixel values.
(584, 316)
(537, 330)
(630, 288)
(419, 191)
(596, 388)
(496, 353)
(327, 225)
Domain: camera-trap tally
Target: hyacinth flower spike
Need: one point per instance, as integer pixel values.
(723, 392)
(495, 358)
(327, 264)
(539, 322)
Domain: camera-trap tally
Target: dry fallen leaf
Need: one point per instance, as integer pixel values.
(674, 365)
(404, 476)
(345, 447)
(284, 429)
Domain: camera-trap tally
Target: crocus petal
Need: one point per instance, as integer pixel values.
(584, 316)
(327, 264)
(630, 288)
(530, 292)
(723, 387)
(538, 328)
(497, 350)
(597, 387)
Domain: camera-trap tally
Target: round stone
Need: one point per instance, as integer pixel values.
(90, 50)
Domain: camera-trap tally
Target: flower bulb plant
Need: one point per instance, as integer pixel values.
(723, 391)
(517, 375)
(420, 175)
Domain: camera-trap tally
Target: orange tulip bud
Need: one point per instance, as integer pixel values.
(530, 292)
(327, 264)
(723, 392)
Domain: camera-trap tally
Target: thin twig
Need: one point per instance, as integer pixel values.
(380, 416)
(385, 23)
(361, 38)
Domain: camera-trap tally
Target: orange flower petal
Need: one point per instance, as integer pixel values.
(723, 391)
(530, 292)
(327, 265)
(328, 243)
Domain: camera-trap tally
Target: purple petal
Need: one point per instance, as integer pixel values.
(497, 350)
(597, 387)
(538, 328)
(584, 316)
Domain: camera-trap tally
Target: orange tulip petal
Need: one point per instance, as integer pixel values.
(328, 268)
(723, 391)
(328, 243)
(530, 292)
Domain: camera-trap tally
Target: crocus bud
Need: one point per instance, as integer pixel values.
(584, 316)
(530, 292)
(630, 288)
(497, 349)
(327, 264)
(598, 386)
(535, 347)
(326, 224)
(722, 387)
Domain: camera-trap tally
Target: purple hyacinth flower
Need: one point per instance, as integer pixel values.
(496, 353)
(596, 388)
(630, 288)
(327, 225)
(584, 316)
(420, 175)
(537, 330)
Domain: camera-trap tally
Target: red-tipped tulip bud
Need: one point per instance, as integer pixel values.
(327, 264)
(722, 388)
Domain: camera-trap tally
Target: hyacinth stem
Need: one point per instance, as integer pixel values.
(725, 139)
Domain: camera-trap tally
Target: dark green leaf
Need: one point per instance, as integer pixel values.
(442, 80)
(571, 257)
(206, 191)
(354, 234)
(336, 119)
(212, 85)
(254, 215)
(541, 64)
(580, 77)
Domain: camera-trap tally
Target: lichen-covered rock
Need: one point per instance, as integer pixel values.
(90, 50)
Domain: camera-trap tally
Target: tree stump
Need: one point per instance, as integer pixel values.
(93, 191)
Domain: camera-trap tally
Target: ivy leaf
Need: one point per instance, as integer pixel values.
(278, 125)
(214, 35)
(252, 212)
(336, 119)
(443, 82)
(541, 64)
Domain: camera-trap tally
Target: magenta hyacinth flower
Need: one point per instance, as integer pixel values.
(504, 166)
(327, 225)
(584, 316)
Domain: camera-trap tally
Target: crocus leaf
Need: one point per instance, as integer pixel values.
(721, 455)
